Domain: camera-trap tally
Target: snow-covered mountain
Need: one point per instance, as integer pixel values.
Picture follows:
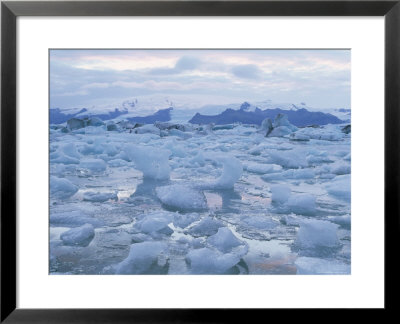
(184, 108)
(300, 117)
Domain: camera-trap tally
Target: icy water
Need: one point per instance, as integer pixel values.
(228, 201)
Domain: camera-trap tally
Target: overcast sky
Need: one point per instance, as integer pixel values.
(86, 78)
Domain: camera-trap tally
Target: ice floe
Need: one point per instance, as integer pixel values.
(206, 227)
(181, 197)
(145, 257)
(340, 187)
(99, 196)
(78, 236)
(317, 234)
(61, 188)
(224, 240)
(209, 261)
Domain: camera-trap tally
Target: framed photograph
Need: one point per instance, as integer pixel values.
(164, 158)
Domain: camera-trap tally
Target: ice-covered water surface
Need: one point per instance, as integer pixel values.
(200, 200)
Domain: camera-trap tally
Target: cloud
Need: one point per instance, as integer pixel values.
(96, 85)
(88, 77)
(183, 64)
(247, 71)
(187, 63)
(74, 93)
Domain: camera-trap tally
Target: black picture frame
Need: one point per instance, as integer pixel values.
(10, 10)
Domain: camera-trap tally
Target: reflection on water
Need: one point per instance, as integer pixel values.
(223, 199)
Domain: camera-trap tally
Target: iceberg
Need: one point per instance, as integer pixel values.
(232, 170)
(154, 163)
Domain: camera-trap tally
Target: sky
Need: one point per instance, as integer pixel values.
(91, 78)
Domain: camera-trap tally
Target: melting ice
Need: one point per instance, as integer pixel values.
(200, 199)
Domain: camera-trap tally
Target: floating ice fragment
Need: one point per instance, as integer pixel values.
(184, 220)
(75, 123)
(208, 261)
(281, 127)
(280, 131)
(341, 220)
(95, 148)
(263, 168)
(144, 257)
(175, 148)
(224, 240)
(181, 197)
(260, 222)
(198, 158)
(231, 172)
(94, 165)
(154, 163)
(290, 174)
(299, 137)
(340, 187)
(266, 126)
(61, 188)
(317, 233)
(292, 159)
(59, 157)
(122, 155)
(327, 132)
(303, 204)
(78, 236)
(179, 133)
(110, 149)
(206, 227)
(340, 168)
(282, 120)
(316, 157)
(99, 196)
(117, 163)
(65, 154)
(145, 129)
(280, 193)
(70, 150)
(72, 219)
(154, 222)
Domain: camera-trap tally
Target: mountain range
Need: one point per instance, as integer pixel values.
(245, 113)
(299, 117)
